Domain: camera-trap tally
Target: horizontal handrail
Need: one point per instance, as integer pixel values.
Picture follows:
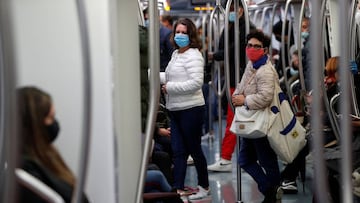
(38, 187)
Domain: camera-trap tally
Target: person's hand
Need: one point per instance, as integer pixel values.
(164, 132)
(210, 56)
(238, 100)
(163, 89)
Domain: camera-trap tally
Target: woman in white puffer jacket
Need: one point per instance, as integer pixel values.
(182, 83)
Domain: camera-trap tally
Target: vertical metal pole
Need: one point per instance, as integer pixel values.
(301, 73)
(154, 63)
(346, 138)
(226, 53)
(2, 111)
(283, 44)
(87, 95)
(320, 184)
(220, 90)
(275, 6)
(10, 124)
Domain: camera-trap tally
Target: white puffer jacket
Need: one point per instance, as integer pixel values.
(260, 91)
(184, 77)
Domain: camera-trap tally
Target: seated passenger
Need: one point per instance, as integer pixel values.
(39, 157)
(292, 170)
(156, 182)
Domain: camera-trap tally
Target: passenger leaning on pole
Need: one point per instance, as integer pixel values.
(229, 140)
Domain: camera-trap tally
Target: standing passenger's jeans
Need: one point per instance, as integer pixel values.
(186, 132)
(256, 155)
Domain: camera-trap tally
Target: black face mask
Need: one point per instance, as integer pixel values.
(53, 130)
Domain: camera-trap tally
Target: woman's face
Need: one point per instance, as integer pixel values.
(180, 28)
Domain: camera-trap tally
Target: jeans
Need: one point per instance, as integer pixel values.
(156, 182)
(186, 132)
(259, 160)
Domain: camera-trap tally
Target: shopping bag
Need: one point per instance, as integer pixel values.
(286, 135)
(250, 123)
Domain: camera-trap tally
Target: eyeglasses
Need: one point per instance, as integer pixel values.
(255, 46)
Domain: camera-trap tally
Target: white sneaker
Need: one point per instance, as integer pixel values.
(190, 160)
(221, 166)
(200, 194)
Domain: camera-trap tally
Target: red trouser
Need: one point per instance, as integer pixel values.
(229, 140)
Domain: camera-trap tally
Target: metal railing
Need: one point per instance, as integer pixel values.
(154, 65)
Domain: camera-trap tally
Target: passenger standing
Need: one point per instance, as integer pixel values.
(39, 157)
(167, 21)
(166, 47)
(255, 91)
(182, 82)
(229, 140)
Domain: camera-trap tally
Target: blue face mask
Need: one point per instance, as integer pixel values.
(293, 71)
(147, 23)
(182, 40)
(304, 35)
(232, 16)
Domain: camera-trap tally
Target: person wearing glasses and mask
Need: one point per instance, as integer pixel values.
(181, 83)
(255, 91)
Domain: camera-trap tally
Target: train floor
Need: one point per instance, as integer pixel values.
(224, 187)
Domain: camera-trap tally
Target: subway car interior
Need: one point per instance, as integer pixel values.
(86, 113)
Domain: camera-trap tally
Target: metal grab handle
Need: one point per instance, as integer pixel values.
(87, 115)
(227, 52)
(272, 23)
(220, 90)
(38, 187)
(301, 73)
(154, 65)
(217, 10)
(283, 45)
(265, 10)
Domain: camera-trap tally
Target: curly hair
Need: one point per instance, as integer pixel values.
(259, 35)
(191, 31)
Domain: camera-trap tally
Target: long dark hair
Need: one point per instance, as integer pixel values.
(34, 106)
(191, 31)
